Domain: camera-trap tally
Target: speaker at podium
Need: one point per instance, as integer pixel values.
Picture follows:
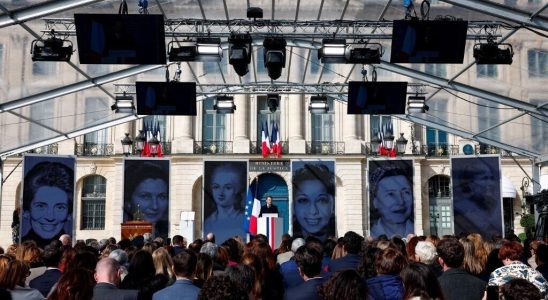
(273, 227)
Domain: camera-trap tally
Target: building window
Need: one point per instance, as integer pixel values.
(440, 206)
(436, 141)
(95, 142)
(213, 123)
(436, 70)
(42, 114)
(265, 116)
(377, 123)
(323, 125)
(438, 186)
(487, 71)
(93, 202)
(44, 68)
(537, 60)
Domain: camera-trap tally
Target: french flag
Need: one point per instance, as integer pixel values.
(252, 210)
(265, 143)
(277, 141)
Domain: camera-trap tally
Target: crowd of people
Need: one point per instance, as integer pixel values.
(351, 267)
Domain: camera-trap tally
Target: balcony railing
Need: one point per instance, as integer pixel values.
(324, 147)
(94, 149)
(48, 149)
(256, 147)
(213, 147)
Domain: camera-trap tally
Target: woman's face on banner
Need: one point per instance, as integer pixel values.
(224, 187)
(394, 199)
(313, 206)
(48, 211)
(151, 196)
(483, 181)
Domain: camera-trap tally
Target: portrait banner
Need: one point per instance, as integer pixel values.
(477, 200)
(391, 205)
(225, 188)
(146, 193)
(48, 198)
(313, 198)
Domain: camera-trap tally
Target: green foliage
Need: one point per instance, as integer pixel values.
(527, 221)
(522, 236)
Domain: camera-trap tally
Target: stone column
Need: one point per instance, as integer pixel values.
(296, 122)
(183, 126)
(352, 143)
(241, 124)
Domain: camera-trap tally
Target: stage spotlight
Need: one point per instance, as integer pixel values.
(224, 105)
(318, 104)
(415, 104)
(363, 55)
(51, 49)
(204, 49)
(491, 53)
(332, 51)
(123, 104)
(239, 52)
(274, 56)
(273, 101)
(181, 52)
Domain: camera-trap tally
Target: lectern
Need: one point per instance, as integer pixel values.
(130, 229)
(273, 227)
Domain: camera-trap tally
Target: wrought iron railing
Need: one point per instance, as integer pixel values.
(213, 147)
(93, 149)
(256, 147)
(48, 149)
(324, 147)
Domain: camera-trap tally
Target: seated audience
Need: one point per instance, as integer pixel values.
(309, 261)
(178, 244)
(184, 265)
(352, 246)
(388, 283)
(107, 275)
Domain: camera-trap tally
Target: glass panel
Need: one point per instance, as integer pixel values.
(44, 68)
(538, 62)
(489, 71)
(157, 123)
(213, 123)
(323, 125)
(93, 202)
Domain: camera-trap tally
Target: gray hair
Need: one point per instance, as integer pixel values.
(426, 251)
(297, 243)
(210, 249)
(120, 256)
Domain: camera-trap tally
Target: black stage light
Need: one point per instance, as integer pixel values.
(416, 104)
(255, 12)
(224, 105)
(273, 101)
(491, 53)
(51, 49)
(274, 56)
(318, 104)
(180, 52)
(332, 51)
(123, 104)
(363, 55)
(239, 52)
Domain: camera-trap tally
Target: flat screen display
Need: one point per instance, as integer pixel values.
(166, 98)
(376, 98)
(120, 39)
(436, 41)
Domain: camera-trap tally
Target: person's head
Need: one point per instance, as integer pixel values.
(141, 263)
(210, 249)
(392, 194)
(309, 260)
(221, 287)
(74, 285)
(204, 266)
(541, 256)
(352, 242)
(269, 200)
(451, 252)
(478, 178)
(425, 252)
(147, 190)
(178, 240)
(390, 261)
(120, 256)
(420, 281)
(48, 198)
(510, 251)
(184, 263)
(83, 259)
(242, 275)
(347, 284)
(51, 256)
(108, 271)
(14, 275)
(296, 244)
(314, 200)
(66, 240)
(162, 261)
(227, 187)
(519, 289)
(210, 237)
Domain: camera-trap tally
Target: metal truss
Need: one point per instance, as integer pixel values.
(314, 29)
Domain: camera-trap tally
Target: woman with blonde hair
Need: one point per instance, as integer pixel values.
(471, 263)
(480, 253)
(163, 264)
(29, 253)
(12, 278)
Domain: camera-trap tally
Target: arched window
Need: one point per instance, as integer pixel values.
(440, 208)
(93, 202)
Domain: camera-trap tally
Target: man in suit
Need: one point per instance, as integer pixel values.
(352, 244)
(51, 258)
(269, 208)
(107, 275)
(178, 244)
(184, 264)
(309, 260)
(455, 282)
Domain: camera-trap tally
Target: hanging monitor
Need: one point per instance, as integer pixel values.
(166, 98)
(436, 41)
(376, 98)
(120, 39)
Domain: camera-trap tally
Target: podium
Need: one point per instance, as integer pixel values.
(273, 227)
(186, 225)
(130, 229)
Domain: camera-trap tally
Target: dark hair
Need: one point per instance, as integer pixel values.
(242, 275)
(390, 261)
(46, 173)
(398, 243)
(184, 263)
(347, 285)
(137, 171)
(51, 256)
(510, 250)
(204, 267)
(309, 260)
(233, 248)
(74, 285)
(142, 264)
(221, 287)
(520, 289)
(420, 281)
(451, 251)
(177, 239)
(328, 247)
(367, 263)
(352, 242)
(542, 254)
(83, 259)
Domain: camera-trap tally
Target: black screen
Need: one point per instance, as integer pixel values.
(437, 41)
(166, 98)
(376, 98)
(120, 39)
